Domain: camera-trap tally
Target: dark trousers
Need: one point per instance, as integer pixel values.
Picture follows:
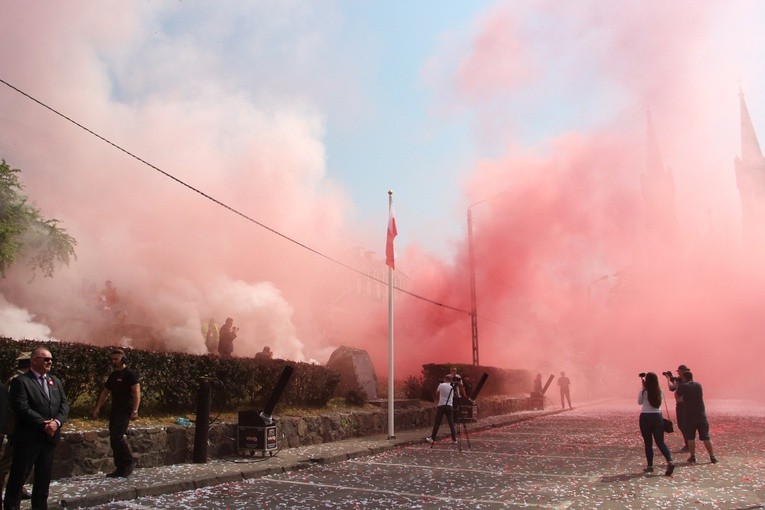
(119, 420)
(39, 456)
(564, 393)
(680, 413)
(652, 429)
(440, 412)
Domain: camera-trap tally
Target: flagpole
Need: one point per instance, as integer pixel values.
(391, 434)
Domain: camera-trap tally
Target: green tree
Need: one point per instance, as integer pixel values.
(25, 234)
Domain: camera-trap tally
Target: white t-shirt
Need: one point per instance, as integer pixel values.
(647, 407)
(445, 394)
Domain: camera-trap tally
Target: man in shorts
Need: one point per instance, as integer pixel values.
(695, 416)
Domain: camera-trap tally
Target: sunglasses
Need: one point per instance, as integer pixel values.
(46, 360)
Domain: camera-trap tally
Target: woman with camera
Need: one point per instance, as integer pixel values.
(652, 421)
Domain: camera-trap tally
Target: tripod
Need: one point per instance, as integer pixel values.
(463, 429)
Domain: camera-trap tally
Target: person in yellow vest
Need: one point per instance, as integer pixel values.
(210, 332)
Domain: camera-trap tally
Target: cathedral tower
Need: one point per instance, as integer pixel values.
(658, 186)
(750, 178)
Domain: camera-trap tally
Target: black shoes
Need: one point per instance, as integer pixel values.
(692, 459)
(121, 473)
(713, 459)
(670, 469)
(648, 469)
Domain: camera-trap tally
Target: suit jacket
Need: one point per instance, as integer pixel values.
(33, 409)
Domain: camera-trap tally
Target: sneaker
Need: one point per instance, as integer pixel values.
(429, 439)
(692, 459)
(713, 459)
(648, 469)
(114, 474)
(454, 441)
(670, 470)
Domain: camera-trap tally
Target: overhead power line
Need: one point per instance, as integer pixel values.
(224, 205)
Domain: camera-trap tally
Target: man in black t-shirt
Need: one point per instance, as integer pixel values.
(125, 389)
(695, 416)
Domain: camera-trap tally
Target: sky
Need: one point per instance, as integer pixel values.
(302, 115)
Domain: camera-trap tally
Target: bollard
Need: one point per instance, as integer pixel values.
(202, 430)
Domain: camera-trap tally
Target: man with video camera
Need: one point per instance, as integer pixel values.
(226, 337)
(445, 395)
(673, 383)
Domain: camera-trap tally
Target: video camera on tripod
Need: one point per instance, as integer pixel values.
(465, 407)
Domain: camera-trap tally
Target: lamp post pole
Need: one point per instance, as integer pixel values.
(473, 305)
(471, 262)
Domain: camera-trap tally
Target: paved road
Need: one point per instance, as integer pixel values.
(588, 458)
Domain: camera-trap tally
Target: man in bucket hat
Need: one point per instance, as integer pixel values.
(673, 383)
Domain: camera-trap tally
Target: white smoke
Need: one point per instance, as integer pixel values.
(19, 323)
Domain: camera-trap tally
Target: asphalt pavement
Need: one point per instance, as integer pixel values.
(590, 457)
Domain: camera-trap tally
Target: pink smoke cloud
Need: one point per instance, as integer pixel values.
(568, 160)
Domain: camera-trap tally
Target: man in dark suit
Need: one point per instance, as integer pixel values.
(41, 409)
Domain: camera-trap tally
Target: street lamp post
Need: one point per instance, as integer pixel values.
(471, 262)
(473, 305)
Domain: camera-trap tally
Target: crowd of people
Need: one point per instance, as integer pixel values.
(690, 411)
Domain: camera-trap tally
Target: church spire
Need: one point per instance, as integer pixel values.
(750, 178)
(750, 147)
(658, 194)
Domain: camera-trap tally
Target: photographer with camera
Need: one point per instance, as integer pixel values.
(695, 416)
(673, 383)
(652, 421)
(226, 338)
(445, 394)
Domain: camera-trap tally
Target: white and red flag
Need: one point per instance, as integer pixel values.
(390, 250)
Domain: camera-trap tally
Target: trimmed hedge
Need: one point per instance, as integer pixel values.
(170, 380)
(501, 381)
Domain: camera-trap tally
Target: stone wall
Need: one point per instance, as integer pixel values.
(81, 453)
